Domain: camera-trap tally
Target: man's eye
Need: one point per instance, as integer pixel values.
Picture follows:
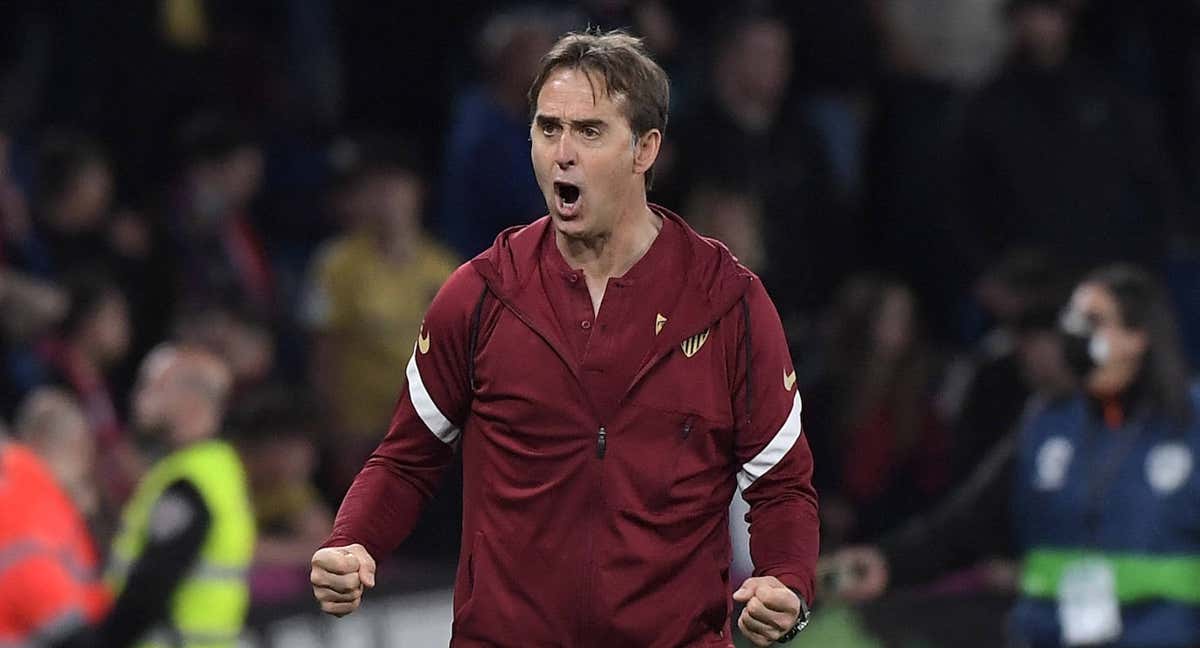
(591, 132)
(550, 130)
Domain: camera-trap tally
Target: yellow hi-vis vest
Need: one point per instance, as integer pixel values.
(209, 606)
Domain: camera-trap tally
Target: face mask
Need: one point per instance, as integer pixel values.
(1085, 350)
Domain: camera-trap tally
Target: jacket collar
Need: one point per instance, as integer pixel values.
(711, 283)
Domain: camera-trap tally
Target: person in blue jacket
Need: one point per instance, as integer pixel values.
(1107, 501)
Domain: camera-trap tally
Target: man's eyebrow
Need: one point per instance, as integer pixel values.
(548, 120)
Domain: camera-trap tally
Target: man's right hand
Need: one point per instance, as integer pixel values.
(338, 577)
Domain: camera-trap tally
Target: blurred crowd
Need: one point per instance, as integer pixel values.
(919, 183)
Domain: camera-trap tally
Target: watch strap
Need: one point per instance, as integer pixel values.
(801, 621)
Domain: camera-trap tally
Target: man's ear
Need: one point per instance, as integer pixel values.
(645, 150)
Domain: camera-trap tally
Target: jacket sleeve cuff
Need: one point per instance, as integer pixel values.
(342, 540)
(336, 540)
(800, 584)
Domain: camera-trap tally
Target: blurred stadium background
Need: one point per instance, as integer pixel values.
(287, 184)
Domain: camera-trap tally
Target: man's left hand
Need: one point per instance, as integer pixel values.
(771, 609)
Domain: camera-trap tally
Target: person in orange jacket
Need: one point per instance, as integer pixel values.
(50, 590)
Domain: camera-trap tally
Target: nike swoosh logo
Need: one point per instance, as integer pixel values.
(789, 380)
(423, 342)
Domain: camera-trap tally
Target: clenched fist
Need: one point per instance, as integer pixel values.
(338, 577)
(771, 609)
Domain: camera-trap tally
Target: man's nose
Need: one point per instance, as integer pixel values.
(564, 152)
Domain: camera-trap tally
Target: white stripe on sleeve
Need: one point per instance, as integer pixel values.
(437, 422)
(783, 441)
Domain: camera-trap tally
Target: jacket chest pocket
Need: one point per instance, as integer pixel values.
(518, 379)
(666, 462)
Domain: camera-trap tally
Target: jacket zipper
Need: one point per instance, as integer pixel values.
(587, 620)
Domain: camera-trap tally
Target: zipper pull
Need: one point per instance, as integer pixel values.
(687, 428)
(601, 442)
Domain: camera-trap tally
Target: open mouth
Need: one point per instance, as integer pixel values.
(567, 193)
(567, 198)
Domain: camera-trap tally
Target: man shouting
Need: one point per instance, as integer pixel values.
(610, 377)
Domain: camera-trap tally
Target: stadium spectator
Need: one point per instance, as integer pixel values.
(1153, 50)
(991, 380)
(971, 528)
(367, 295)
(915, 118)
(884, 450)
(275, 434)
(93, 340)
(742, 132)
(73, 225)
(1057, 157)
(487, 150)
(179, 562)
(835, 64)
(71, 199)
(221, 257)
(75, 229)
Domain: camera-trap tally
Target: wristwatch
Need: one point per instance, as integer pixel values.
(801, 621)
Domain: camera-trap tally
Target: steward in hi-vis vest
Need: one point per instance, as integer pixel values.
(187, 536)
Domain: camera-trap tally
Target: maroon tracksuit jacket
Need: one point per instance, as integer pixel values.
(598, 471)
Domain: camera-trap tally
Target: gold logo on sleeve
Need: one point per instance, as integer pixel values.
(658, 323)
(789, 380)
(423, 341)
